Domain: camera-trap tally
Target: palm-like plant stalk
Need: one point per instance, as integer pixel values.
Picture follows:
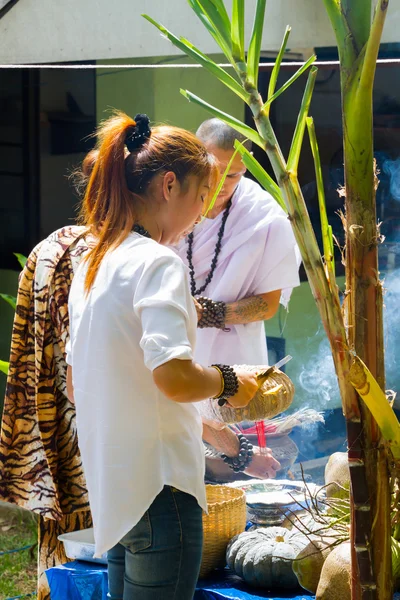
(358, 44)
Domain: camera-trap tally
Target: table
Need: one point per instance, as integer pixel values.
(88, 581)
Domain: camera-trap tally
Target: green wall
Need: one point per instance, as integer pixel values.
(156, 92)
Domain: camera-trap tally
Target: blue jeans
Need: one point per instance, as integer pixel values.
(159, 559)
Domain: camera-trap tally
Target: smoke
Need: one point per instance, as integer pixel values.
(392, 168)
(391, 318)
(318, 377)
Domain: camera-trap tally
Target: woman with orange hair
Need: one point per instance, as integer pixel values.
(132, 374)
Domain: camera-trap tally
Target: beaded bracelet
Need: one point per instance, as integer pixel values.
(239, 463)
(230, 383)
(213, 314)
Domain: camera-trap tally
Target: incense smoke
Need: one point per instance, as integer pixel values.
(318, 377)
(392, 168)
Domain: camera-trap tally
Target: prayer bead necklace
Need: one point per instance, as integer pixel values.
(214, 260)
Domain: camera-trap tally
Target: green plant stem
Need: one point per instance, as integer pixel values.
(291, 80)
(357, 16)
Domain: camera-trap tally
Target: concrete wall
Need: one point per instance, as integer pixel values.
(38, 31)
(57, 200)
(156, 92)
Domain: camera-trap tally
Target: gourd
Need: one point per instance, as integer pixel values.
(274, 396)
(264, 557)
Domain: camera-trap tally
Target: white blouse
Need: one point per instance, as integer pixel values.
(138, 315)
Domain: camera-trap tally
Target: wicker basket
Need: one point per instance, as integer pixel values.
(226, 518)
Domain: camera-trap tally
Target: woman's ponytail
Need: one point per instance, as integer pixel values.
(107, 206)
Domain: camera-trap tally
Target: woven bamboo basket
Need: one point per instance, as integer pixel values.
(274, 397)
(226, 518)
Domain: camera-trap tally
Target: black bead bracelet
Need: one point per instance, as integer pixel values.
(240, 462)
(230, 383)
(213, 314)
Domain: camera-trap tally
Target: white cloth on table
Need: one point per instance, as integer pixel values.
(138, 315)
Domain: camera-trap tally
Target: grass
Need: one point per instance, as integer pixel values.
(18, 571)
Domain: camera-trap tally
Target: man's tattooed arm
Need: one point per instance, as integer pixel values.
(222, 439)
(254, 308)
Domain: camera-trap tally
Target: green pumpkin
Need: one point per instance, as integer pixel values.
(264, 557)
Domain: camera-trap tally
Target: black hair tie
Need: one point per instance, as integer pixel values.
(138, 134)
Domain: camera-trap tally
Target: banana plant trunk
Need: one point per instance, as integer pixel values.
(358, 44)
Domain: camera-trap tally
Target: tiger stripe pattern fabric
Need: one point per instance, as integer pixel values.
(40, 464)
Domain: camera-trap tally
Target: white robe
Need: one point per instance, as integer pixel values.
(258, 255)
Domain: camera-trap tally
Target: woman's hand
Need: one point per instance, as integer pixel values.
(199, 309)
(248, 386)
(263, 465)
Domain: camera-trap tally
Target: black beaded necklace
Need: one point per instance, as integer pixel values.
(141, 230)
(215, 258)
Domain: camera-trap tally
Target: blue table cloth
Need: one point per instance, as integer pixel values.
(88, 581)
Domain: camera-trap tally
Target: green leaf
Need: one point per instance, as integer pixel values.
(202, 59)
(247, 131)
(11, 300)
(297, 142)
(4, 366)
(277, 65)
(376, 400)
(221, 12)
(221, 183)
(215, 18)
(253, 55)
(260, 174)
(290, 81)
(237, 30)
(396, 560)
(21, 259)
(326, 229)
